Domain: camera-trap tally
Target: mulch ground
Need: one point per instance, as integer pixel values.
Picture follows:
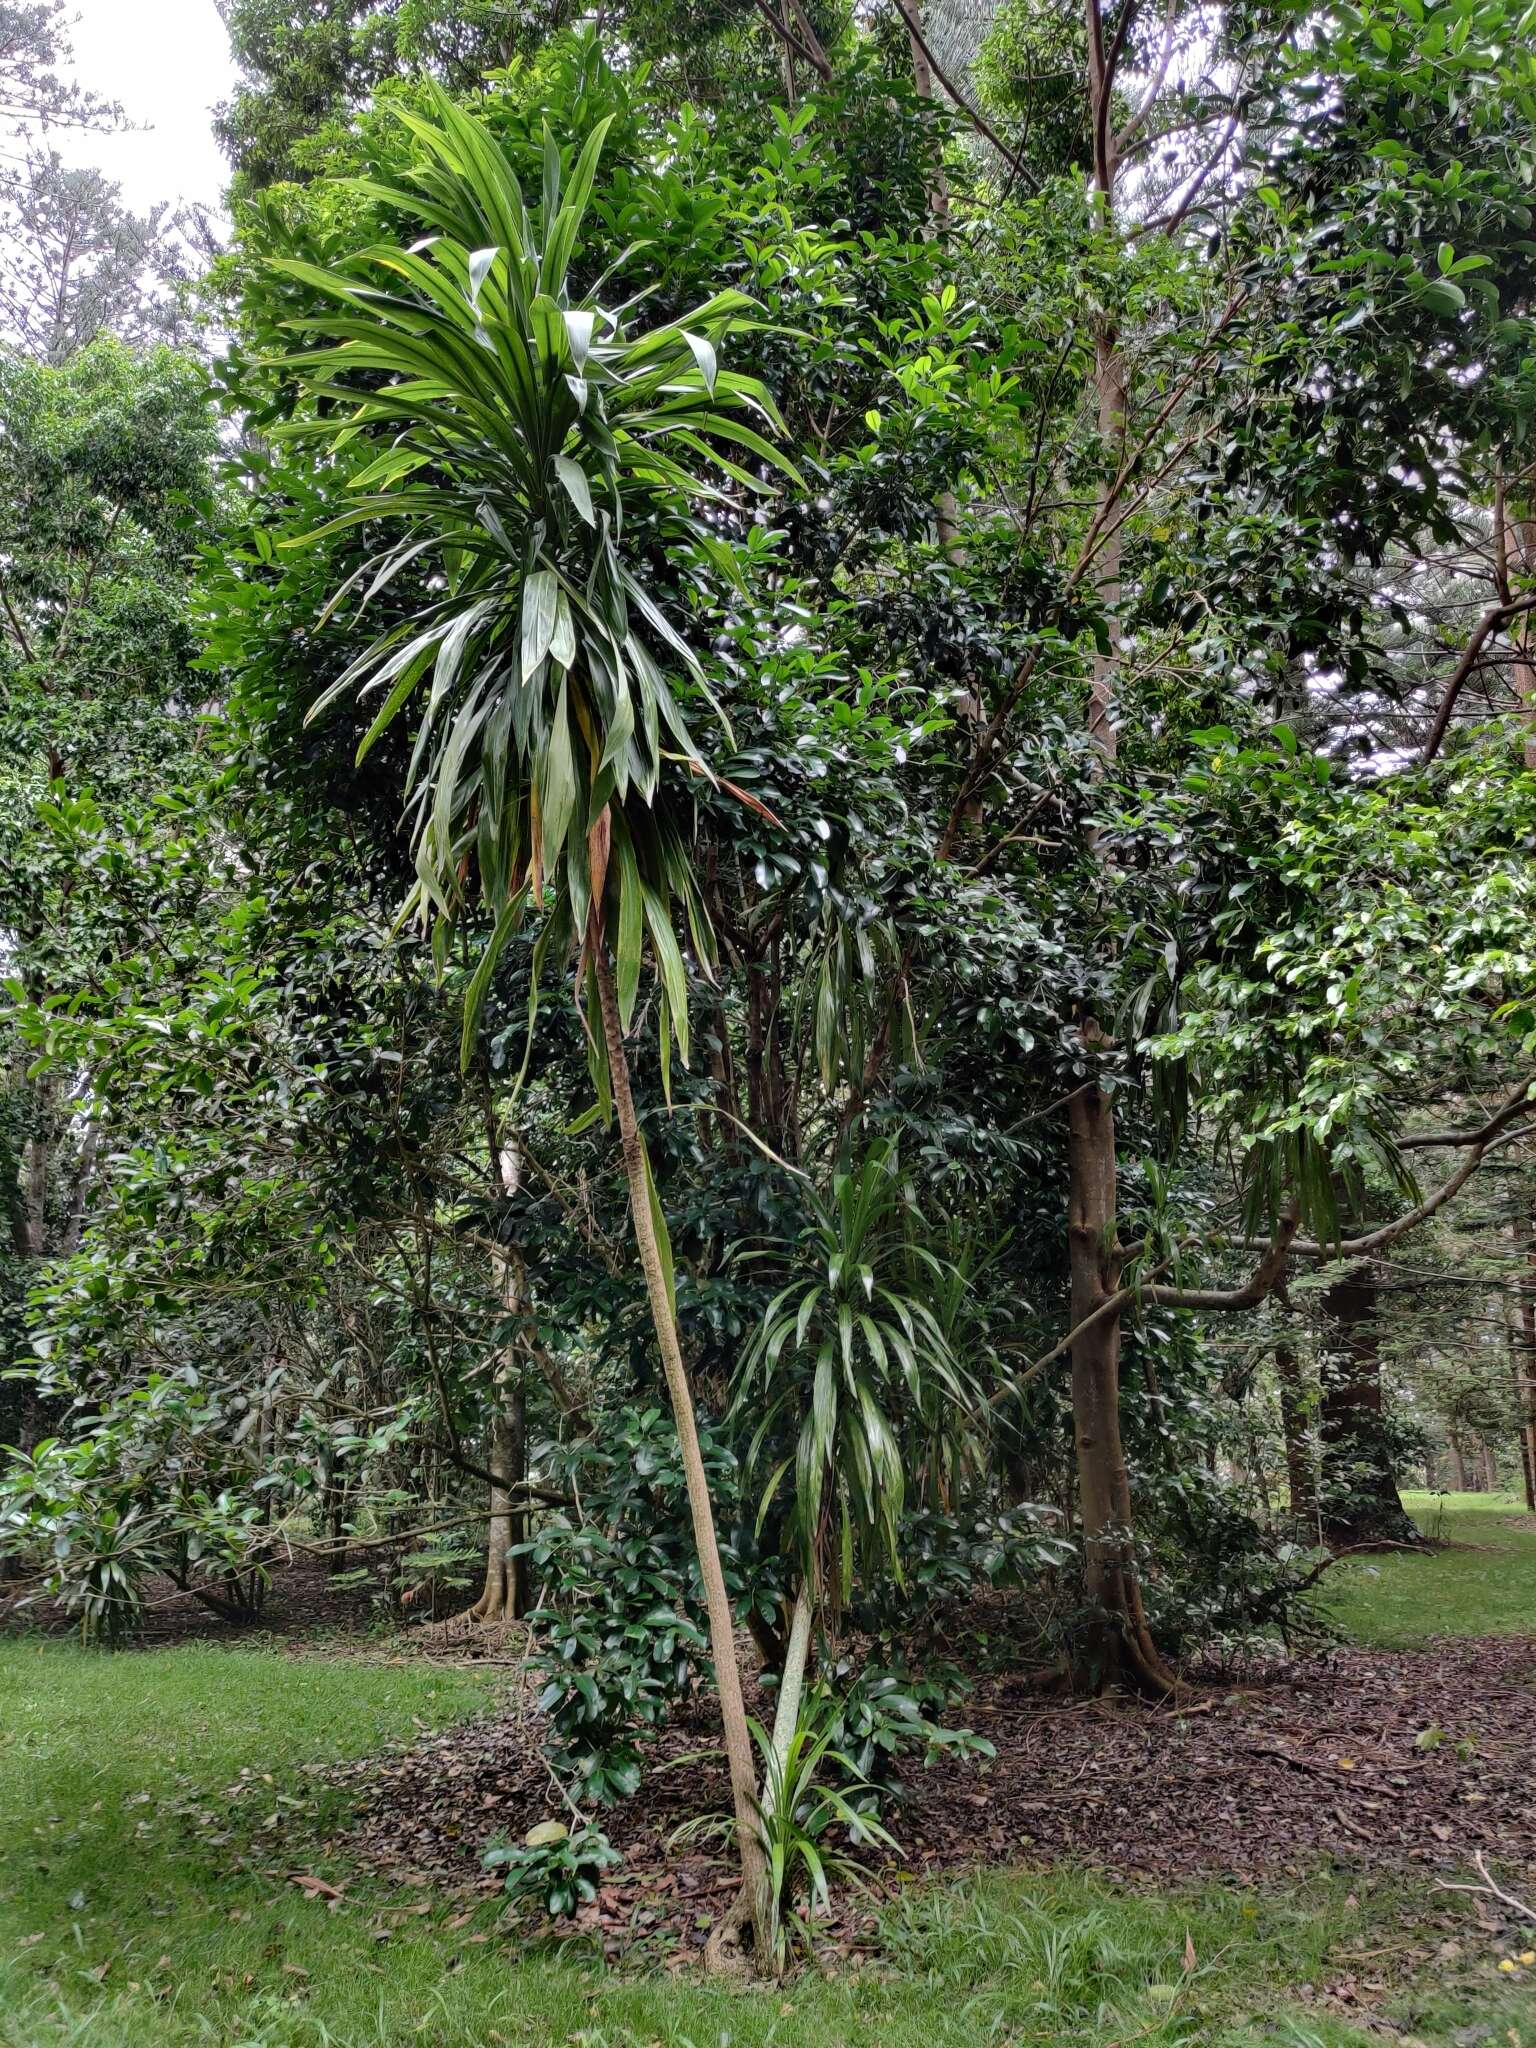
(1370, 1759)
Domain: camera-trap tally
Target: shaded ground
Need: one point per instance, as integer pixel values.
(1375, 1760)
(303, 1601)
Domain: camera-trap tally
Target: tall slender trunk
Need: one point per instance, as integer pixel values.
(1112, 402)
(502, 1593)
(1295, 1427)
(946, 509)
(36, 1184)
(922, 77)
(1359, 1484)
(500, 1596)
(1522, 1347)
(1119, 1641)
(85, 1174)
(733, 1713)
(1523, 532)
(1458, 1462)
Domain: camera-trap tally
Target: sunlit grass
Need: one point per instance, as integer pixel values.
(1483, 1584)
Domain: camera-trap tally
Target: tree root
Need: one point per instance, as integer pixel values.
(728, 1950)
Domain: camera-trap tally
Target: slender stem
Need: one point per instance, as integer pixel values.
(722, 1635)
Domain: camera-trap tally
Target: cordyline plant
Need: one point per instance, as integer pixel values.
(850, 1362)
(527, 433)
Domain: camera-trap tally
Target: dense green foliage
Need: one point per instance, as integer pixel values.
(787, 821)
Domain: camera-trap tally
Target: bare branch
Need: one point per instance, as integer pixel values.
(816, 58)
(912, 18)
(1495, 616)
(1488, 1889)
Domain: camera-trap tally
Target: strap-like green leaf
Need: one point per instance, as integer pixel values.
(541, 592)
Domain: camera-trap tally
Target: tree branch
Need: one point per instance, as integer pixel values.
(816, 57)
(1492, 619)
(913, 23)
(1480, 1143)
(1264, 1279)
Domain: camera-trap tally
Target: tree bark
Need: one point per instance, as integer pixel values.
(1458, 1462)
(85, 1174)
(37, 1148)
(1523, 532)
(733, 1714)
(1295, 1420)
(1120, 1643)
(502, 1596)
(1359, 1485)
(1523, 1349)
(922, 77)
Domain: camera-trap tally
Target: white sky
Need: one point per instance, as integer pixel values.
(167, 61)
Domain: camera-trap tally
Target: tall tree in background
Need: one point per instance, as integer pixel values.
(79, 263)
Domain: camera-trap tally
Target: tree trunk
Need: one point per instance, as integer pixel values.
(753, 1903)
(499, 1597)
(1295, 1421)
(1458, 1462)
(1524, 535)
(336, 1523)
(1120, 1642)
(85, 1174)
(1523, 1349)
(1359, 1485)
(502, 1596)
(36, 1204)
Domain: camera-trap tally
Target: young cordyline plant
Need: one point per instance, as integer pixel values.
(852, 1364)
(519, 433)
(797, 1818)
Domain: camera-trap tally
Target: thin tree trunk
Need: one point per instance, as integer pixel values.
(945, 507)
(1524, 534)
(922, 77)
(1300, 1466)
(498, 1595)
(85, 1174)
(1120, 1641)
(501, 1597)
(1361, 1504)
(1112, 401)
(36, 1208)
(1458, 1462)
(1523, 1347)
(733, 1714)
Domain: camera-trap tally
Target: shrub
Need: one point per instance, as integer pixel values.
(559, 1867)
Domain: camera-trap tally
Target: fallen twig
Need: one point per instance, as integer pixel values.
(1488, 1888)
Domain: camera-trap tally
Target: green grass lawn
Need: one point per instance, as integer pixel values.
(153, 1805)
(1484, 1585)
